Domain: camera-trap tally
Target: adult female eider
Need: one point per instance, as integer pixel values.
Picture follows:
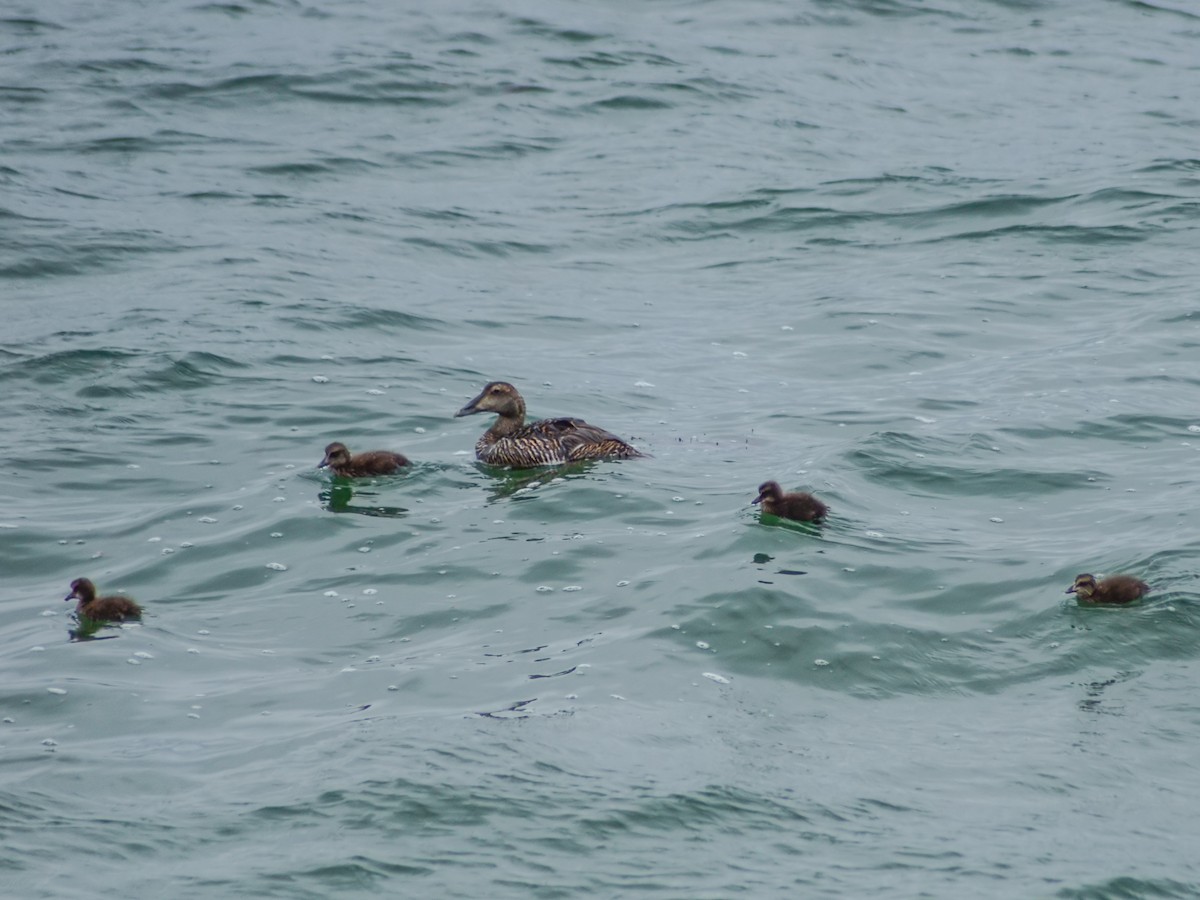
(1114, 589)
(801, 506)
(546, 442)
(114, 608)
(374, 462)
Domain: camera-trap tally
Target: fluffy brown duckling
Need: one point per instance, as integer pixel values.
(1114, 589)
(114, 608)
(800, 506)
(374, 462)
(546, 442)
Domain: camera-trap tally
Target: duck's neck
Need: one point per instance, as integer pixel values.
(508, 422)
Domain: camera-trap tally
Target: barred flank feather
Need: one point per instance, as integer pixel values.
(546, 442)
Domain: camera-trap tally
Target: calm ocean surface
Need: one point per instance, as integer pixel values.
(937, 262)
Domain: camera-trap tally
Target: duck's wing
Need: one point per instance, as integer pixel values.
(579, 440)
(555, 428)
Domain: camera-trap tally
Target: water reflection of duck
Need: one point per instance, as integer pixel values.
(1114, 589)
(374, 462)
(114, 608)
(800, 506)
(546, 442)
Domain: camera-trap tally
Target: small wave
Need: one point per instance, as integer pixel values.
(629, 102)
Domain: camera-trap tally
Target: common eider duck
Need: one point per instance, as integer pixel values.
(546, 442)
(1114, 589)
(801, 506)
(374, 462)
(114, 608)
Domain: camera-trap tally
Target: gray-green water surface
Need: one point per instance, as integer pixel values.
(935, 262)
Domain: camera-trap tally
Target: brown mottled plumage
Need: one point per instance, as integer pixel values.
(1114, 589)
(374, 462)
(114, 608)
(802, 507)
(546, 442)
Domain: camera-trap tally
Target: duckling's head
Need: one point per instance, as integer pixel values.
(81, 589)
(336, 454)
(768, 490)
(1084, 586)
(498, 397)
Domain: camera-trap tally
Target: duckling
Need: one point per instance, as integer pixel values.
(1114, 589)
(801, 506)
(546, 442)
(375, 462)
(114, 608)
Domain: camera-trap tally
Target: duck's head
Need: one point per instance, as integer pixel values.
(768, 490)
(1084, 586)
(498, 397)
(81, 589)
(336, 454)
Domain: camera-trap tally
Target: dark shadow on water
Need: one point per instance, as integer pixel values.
(513, 711)
(84, 629)
(1097, 702)
(507, 482)
(813, 529)
(337, 498)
